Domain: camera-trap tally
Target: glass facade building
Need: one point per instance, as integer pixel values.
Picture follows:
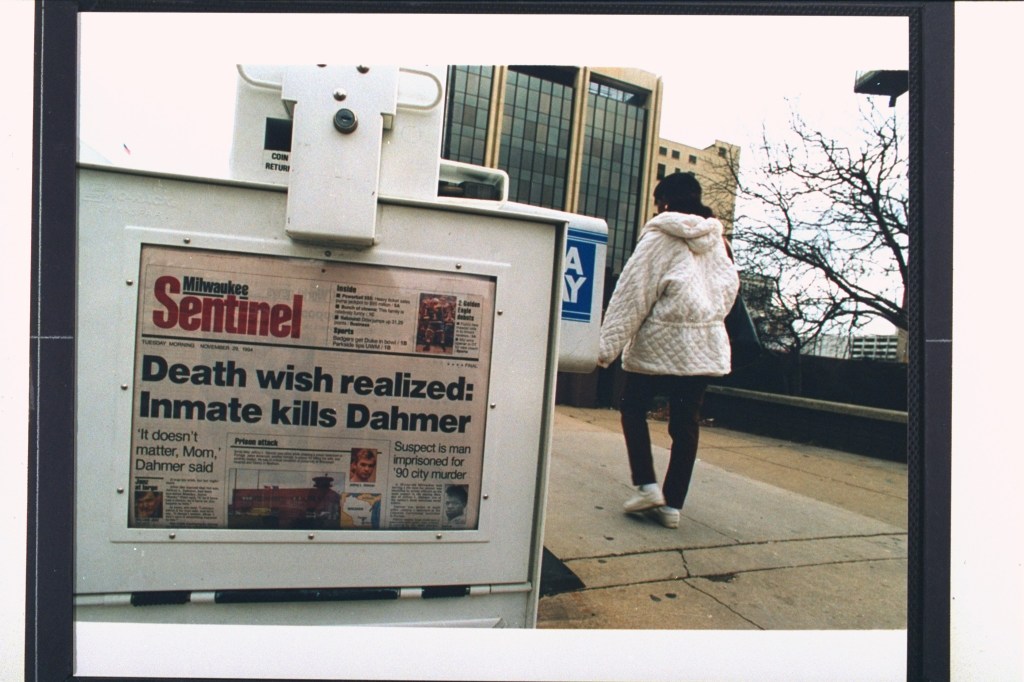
(571, 138)
(535, 135)
(614, 164)
(467, 110)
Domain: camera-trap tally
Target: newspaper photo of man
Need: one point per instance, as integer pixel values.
(364, 466)
(149, 504)
(455, 499)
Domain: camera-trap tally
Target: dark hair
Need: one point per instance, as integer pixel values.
(458, 491)
(363, 453)
(682, 193)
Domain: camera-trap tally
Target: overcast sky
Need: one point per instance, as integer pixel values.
(163, 84)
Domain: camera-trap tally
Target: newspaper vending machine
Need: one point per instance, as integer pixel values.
(320, 390)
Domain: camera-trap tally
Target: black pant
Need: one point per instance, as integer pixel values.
(685, 396)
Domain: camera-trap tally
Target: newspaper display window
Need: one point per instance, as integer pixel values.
(286, 393)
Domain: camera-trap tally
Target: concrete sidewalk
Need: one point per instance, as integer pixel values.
(774, 535)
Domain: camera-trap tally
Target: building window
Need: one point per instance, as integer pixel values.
(693, 160)
(662, 151)
(721, 152)
(661, 171)
(536, 135)
(635, 99)
(469, 99)
(675, 153)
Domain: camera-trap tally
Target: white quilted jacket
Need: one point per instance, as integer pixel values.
(666, 314)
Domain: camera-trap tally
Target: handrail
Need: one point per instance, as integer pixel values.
(881, 414)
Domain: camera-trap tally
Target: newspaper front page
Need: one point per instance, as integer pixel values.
(283, 393)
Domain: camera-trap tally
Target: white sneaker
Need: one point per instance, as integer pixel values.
(644, 500)
(666, 516)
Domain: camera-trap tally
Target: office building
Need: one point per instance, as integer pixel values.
(877, 347)
(885, 347)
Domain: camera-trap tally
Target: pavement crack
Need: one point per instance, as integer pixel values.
(622, 555)
(686, 567)
(729, 577)
(853, 536)
(726, 545)
(723, 604)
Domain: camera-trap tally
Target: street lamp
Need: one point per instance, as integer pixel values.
(892, 83)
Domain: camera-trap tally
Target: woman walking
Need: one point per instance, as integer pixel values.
(666, 319)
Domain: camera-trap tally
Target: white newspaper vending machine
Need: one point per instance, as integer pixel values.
(317, 392)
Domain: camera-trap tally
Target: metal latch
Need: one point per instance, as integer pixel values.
(339, 116)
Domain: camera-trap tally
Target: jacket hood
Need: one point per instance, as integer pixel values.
(700, 234)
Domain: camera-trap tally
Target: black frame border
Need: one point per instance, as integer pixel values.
(49, 617)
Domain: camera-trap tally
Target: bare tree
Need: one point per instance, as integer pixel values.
(826, 222)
